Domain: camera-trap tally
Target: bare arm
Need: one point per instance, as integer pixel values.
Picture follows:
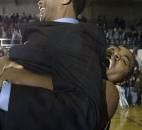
(112, 97)
(22, 76)
(25, 77)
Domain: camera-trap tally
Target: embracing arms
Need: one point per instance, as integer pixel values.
(16, 74)
(20, 76)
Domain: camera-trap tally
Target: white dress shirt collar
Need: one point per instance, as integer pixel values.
(67, 20)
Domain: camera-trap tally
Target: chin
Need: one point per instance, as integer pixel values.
(115, 79)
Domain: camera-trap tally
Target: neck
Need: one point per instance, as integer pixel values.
(68, 12)
(63, 11)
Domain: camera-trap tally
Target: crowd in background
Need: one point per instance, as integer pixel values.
(8, 23)
(133, 88)
(16, 18)
(117, 30)
(9, 33)
(120, 32)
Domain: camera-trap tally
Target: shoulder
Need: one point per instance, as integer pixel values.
(112, 97)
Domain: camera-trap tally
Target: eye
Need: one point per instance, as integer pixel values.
(125, 60)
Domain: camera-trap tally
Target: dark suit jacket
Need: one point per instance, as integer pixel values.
(72, 54)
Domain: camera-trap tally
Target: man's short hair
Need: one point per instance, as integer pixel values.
(79, 6)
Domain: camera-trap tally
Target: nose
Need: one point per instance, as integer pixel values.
(117, 57)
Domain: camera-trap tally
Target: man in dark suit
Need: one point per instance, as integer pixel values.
(71, 54)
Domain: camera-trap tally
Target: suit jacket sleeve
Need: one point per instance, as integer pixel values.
(45, 45)
(39, 109)
(28, 54)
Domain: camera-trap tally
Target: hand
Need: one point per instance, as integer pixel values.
(6, 63)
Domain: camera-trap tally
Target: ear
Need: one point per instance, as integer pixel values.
(65, 2)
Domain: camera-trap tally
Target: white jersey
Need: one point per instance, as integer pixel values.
(122, 99)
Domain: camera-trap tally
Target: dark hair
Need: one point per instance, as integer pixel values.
(79, 6)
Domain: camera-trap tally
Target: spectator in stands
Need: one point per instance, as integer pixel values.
(1, 53)
(4, 34)
(115, 36)
(133, 93)
(138, 87)
(16, 36)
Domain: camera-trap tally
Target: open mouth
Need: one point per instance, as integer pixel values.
(107, 63)
(108, 60)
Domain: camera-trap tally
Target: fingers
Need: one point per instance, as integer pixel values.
(13, 65)
(10, 65)
(5, 63)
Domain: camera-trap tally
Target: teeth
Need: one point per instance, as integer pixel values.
(110, 65)
(42, 11)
